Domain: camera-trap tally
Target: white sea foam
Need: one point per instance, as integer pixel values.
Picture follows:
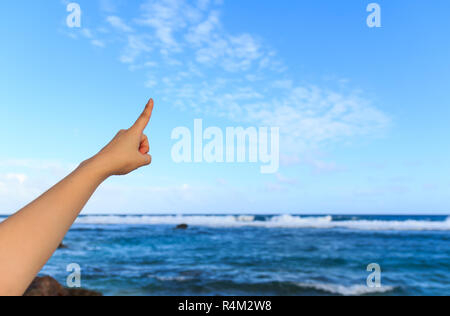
(354, 290)
(282, 221)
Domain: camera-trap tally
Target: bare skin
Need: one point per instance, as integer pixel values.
(30, 237)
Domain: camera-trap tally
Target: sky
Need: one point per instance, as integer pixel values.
(362, 112)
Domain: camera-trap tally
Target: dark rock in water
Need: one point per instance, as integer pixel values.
(47, 286)
(182, 226)
(62, 246)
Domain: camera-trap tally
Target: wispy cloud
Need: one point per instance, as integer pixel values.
(166, 18)
(137, 45)
(87, 33)
(98, 43)
(118, 24)
(198, 65)
(308, 116)
(178, 28)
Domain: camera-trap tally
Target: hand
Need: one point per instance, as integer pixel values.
(129, 149)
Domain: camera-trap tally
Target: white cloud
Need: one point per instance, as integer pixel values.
(203, 4)
(203, 32)
(166, 17)
(31, 178)
(312, 115)
(16, 190)
(23, 180)
(19, 177)
(108, 5)
(136, 46)
(187, 41)
(233, 53)
(180, 27)
(308, 116)
(119, 24)
(150, 83)
(98, 43)
(283, 84)
(87, 33)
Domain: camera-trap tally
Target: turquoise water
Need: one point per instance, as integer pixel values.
(262, 255)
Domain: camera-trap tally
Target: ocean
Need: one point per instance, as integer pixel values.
(257, 255)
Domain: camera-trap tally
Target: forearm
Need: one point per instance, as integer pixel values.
(29, 238)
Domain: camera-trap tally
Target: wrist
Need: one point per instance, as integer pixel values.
(97, 167)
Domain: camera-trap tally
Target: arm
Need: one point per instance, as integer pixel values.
(29, 238)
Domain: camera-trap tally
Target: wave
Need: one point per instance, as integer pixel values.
(354, 290)
(293, 288)
(282, 221)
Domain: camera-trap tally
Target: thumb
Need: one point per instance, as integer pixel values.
(145, 160)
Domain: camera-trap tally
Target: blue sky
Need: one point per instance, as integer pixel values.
(363, 112)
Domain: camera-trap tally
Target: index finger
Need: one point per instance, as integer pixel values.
(143, 120)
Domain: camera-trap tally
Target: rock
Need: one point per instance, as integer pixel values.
(47, 286)
(62, 246)
(182, 226)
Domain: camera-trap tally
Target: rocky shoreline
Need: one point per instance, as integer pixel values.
(48, 286)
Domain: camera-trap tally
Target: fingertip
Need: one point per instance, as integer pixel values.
(144, 118)
(150, 104)
(149, 108)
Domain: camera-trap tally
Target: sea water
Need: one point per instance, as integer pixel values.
(257, 255)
